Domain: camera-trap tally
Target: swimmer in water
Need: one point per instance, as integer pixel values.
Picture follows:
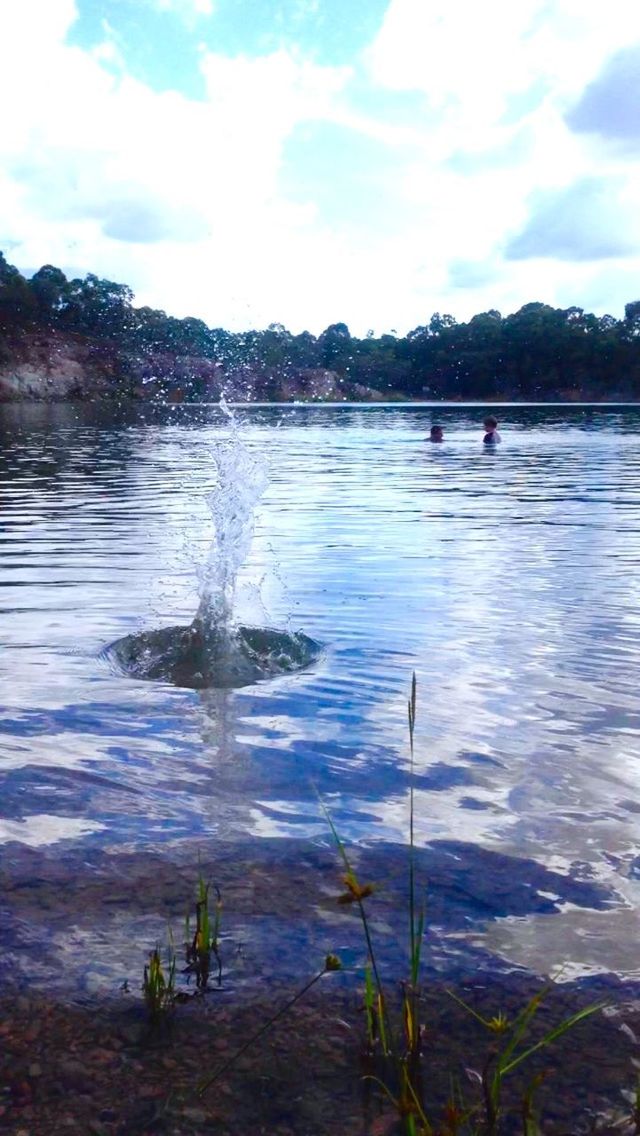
(436, 434)
(491, 437)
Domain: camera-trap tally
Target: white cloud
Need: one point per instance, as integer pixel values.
(475, 62)
(609, 104)
(476, 55)
(501, 77)
(183, 200)
(586, 221)
(256, 103)
(94, 159)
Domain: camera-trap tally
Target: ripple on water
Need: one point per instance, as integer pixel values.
(507, 583)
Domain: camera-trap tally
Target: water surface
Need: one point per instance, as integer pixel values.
(506, 580)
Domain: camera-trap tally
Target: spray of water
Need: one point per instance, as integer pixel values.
(241, 480)
(215, 650)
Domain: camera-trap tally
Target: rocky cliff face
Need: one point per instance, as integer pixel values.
(52, 366)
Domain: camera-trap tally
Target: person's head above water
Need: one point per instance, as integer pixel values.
(491, 426)
(437, 434)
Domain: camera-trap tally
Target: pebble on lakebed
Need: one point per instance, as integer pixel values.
(70, 1058)
(99, 1072)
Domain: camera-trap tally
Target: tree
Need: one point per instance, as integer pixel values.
(99, 306)
(537, 352)
(15, 294)
(438, 323)
(275, 347)
(305, 351)
(195, 336)
(335, 347)
(49, 286)
(632, 318)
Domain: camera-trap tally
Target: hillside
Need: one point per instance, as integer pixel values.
(84, 338)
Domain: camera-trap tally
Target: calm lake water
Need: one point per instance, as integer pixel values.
(508, 581)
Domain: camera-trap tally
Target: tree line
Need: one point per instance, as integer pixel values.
(536, 353)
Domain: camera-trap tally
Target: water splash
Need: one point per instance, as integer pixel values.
(215, 650)
(242, 478)
(184, 656)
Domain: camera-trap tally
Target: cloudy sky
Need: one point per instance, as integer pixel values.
(314, 161)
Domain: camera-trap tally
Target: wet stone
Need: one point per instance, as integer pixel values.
(73, 1075)
(198, 1115)
(102, 1056)
(96, 1128)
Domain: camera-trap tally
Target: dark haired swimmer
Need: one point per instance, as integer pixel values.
(436, 434)
(492, 436)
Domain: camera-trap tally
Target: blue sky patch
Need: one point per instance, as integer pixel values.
(343, 172)
(160, 46)
(157, 47)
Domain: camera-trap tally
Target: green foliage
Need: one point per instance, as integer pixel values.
(538, 352)
(401, 1046)
(508, 1050)
(15, 293)
(159, 979)
(397, 1047)
(206, 938)
(158, 985)
(50, 288)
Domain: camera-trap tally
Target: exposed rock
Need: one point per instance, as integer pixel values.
(53, 365)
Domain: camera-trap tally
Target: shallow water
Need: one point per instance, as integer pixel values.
(508, 581)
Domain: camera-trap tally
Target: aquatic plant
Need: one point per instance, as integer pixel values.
(159, 980)
(206, 938)
(508, 1050)
(158, 985)
(395, 1046)
(401, 1048)
(398, 1038)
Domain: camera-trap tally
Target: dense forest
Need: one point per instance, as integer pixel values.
(537, 353)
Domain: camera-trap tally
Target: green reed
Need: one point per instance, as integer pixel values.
(206, 937)
(159, 980)
(509, 1049)
(158, 985)
(395, 1042)
(399, 1037)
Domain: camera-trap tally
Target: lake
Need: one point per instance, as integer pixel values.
(506, 580)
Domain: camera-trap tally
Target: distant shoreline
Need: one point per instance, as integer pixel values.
(84, 338)
(375, 404)
(318, 404)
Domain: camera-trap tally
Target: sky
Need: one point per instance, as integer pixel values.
(308, 162)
